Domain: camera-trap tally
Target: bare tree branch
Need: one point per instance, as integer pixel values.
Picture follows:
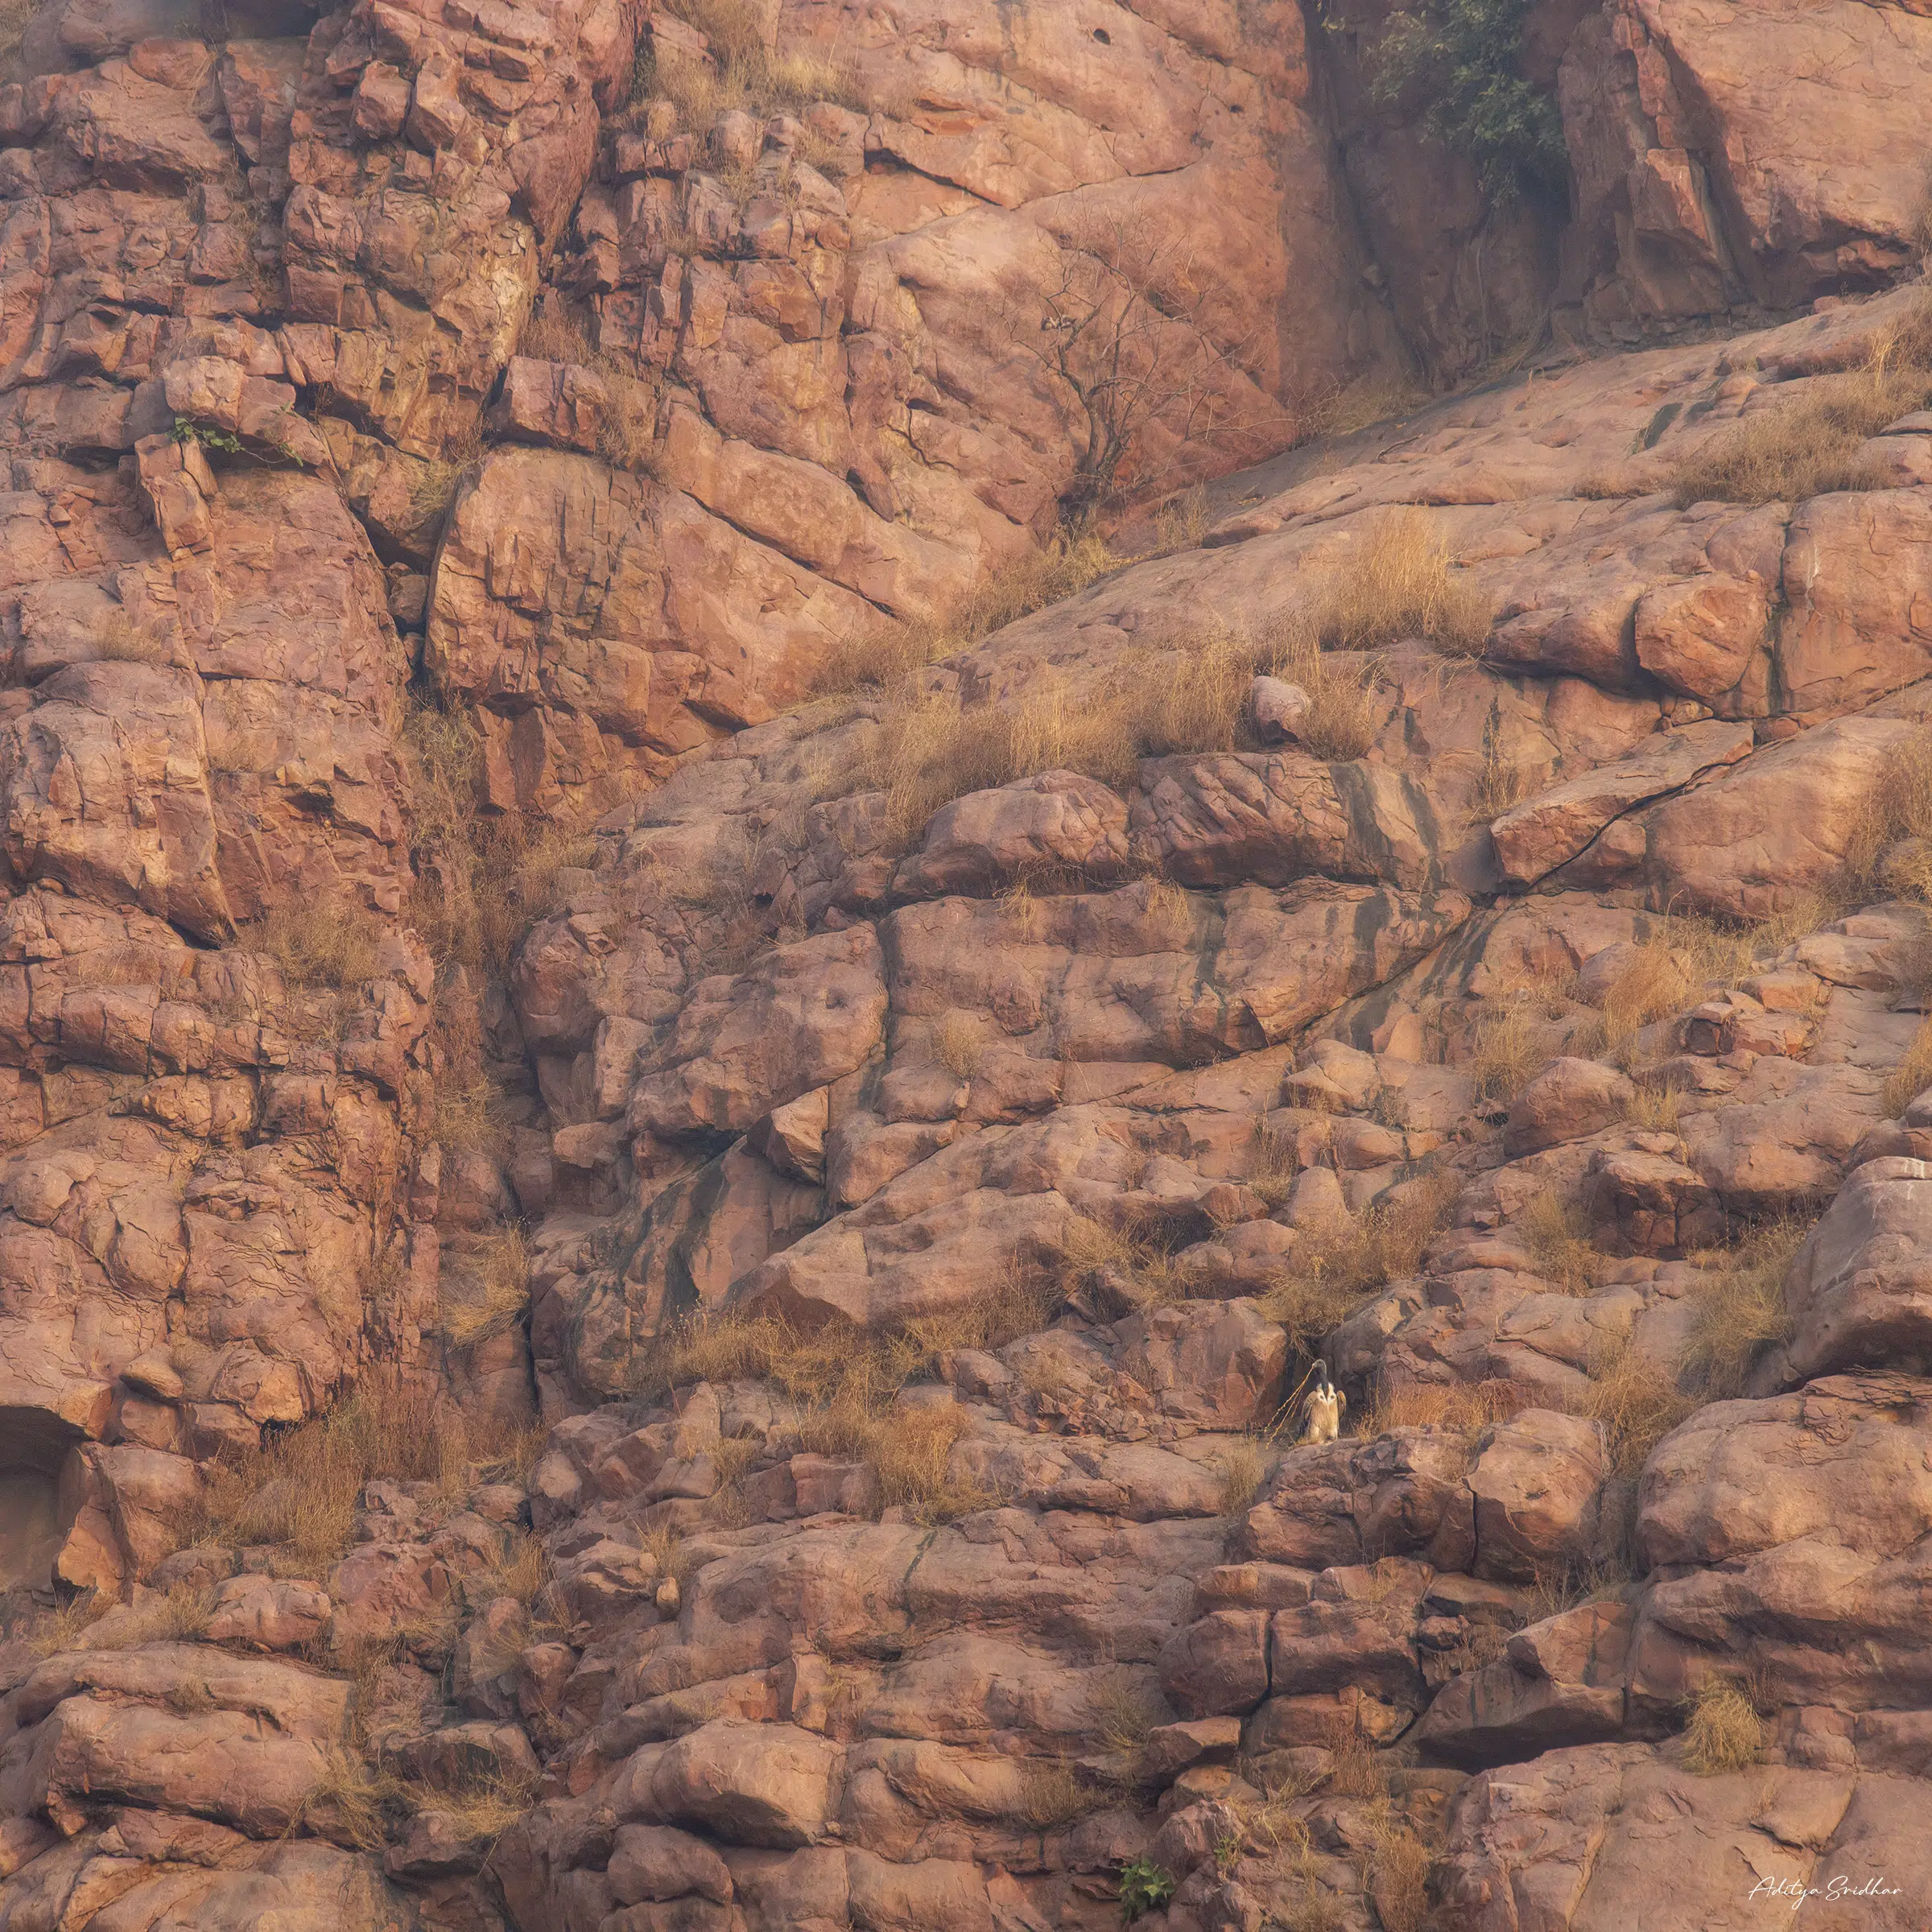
(1121, 338)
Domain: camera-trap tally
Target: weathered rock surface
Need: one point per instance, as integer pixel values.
(941, 1122)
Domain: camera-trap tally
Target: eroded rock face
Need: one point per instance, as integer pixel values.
(1033, 1098)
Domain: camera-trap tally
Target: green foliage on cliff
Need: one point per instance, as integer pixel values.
(1461, 60)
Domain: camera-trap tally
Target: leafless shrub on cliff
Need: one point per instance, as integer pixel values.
(1127, 335)
(1357, 1768)
(1725, 1732)
(482, 877)
(1808, 444)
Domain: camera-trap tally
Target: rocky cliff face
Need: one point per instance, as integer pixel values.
(669, 1176)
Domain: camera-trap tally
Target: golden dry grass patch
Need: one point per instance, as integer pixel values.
(1465, 1408)
(1725, 1732)
(1398, 583)
(1635, 1398)
(1739, 1309)
(1559, 1240)
(486, 1292)
(877, 659)
(298, 1493)
(1333, 1271)
(1807, 444)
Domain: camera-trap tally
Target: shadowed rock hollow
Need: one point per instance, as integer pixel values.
(684, 1090)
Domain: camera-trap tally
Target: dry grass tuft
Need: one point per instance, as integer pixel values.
(1399, 585)
(491, 1293)
(1121, 1712)
(1891, 850)
(1340, 721)
(1566, 1257)
(352, 1804)
(1134, 1260)
(1680, 959)
(482, 1808)
(845, 1381)
(14, 17)
(65, 1625)
(960, 1042)
(1396, 1876)
(1273, 1165)
(1052, 1798)
(326, 945)
(1169, 915)
(178, 1614)
(1357, 1768)
(743, 72)
(1631, 1395)
(1500, 783)
(1725, 1732)
(877, 659)
(912, 1451)
(299, 1493)
(930, 749)
(1511, 1047)
(1808, 444)
(1462, 1406)
(1657, 1110)
(483, 879)
(1913, 1074)
(1740, 1311)
(1332, 1273)
(521, 1572)
(1347, 407)
(1241, 1471)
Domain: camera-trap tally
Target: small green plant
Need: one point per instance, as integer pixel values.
(187, 430)
(1461, 60)
(1144, 1887)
